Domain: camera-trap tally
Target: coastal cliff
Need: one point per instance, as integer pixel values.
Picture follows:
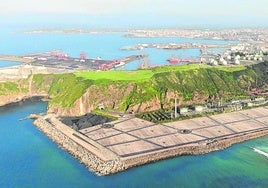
(190, 84)
(141, 90)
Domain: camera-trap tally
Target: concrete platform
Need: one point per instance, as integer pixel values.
(245, 126)
(212, 132)
(229, 117)
(153, 131)
(255, 112)
(176, 139)
(132, 137)
(133, 148)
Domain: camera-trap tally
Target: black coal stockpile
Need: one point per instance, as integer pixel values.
(82, 122)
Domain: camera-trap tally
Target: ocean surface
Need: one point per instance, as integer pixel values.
(106, 46)
(30, 159)
(8, 63)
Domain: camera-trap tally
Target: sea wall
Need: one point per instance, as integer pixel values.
(91, 161)
(194, 149)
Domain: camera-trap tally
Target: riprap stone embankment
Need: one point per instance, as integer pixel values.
(92, 161)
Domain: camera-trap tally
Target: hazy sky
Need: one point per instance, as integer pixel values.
(122, 13)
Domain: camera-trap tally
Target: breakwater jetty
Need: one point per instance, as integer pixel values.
(130, 141)
(93, 155)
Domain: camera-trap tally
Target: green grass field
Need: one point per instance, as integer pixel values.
(231, 69)
(138, 75)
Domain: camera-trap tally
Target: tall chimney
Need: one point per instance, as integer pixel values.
(175, 108)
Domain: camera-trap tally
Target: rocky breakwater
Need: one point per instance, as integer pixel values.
(77, 146)
(197, 148)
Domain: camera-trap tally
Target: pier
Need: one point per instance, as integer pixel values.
(61, 61)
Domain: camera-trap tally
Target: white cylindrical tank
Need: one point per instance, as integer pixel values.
(199, 108)
(214, 62)
(237, 62)
(224, 62)
(183, 110)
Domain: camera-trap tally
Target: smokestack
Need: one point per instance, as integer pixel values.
(175, 108)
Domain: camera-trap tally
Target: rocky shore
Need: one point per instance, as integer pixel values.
(9, 101)
(91, 161)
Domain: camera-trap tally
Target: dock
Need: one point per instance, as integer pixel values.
(64, 62)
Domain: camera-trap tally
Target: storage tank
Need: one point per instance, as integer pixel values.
(224, 62)
(237, 57)
(183, 110)
(214, 62)
(199, 108)
(237, 62)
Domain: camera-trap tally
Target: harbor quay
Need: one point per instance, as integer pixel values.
(130, 141)
(59, 60)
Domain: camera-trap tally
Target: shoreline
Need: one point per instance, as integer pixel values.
(24, 99)
(103, 160)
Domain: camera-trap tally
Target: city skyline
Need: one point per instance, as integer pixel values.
(128, 13)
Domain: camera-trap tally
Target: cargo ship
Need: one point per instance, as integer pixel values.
(173, 60)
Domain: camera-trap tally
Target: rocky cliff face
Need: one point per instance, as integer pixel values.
(6, 99)
(72, 95)
(11, 92)
(96, 96)
(194, 86)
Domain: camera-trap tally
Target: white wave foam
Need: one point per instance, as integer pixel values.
(260, 152)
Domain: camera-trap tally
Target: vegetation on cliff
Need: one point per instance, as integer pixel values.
(149, 89)
(7, 88)
(63, 89)
(13, 88)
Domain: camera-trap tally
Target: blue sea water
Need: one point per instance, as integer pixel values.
(106, 46)
(30, 159)
(8, 63)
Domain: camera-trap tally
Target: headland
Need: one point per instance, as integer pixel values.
(129, 141)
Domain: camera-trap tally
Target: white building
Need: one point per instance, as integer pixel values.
(237, 62)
